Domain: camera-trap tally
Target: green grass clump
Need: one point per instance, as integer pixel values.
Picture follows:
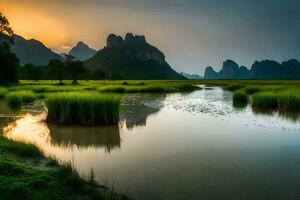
(240, 99)
(18, 97)
(233, 87)
(112, 89)
(3, 92)
(252, 89)
(14, 100)
(88, 109)
(264, 102)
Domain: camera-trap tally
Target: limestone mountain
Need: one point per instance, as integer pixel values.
(131, 58)
(32, 51)
(266, 69)
(82, 51)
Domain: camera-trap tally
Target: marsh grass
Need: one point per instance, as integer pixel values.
(240, 99)
(264, 102)
(233, 87)
(148, 88)
(252, 89)
(88, 109)
(3, 92)
(16, 98)
(287, 103)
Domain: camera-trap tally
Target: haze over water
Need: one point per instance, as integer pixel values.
(176, 146)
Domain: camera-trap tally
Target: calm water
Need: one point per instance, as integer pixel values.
(176, 146)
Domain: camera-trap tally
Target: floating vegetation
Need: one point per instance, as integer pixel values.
(88, 109)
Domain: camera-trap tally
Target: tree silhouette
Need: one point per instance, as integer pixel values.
(8, 61)
(57, 69)
(75, 68)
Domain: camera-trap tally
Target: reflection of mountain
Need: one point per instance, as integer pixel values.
(137, 108)
(83, 137)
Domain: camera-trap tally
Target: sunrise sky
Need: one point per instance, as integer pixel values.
(192, 33)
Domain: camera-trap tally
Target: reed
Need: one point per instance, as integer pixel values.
(240, 99)
(264, 102)
(88, 109)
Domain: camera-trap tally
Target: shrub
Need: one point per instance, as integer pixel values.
(88, 109)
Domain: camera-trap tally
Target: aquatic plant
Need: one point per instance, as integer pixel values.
(88, 109)
(233, 87)
(252, 89)
(239, 99)
(3, 92)
(264, 102)
(24, 96)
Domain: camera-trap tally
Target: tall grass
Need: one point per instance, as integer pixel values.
(240, 99)
(264, 102)
(88, 109)
(148, 88)
(252, 89)
(3, 92)
(233, 87)
(16, 98)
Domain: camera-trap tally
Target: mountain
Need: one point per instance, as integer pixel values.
(32, 51)
(82, 51)
(230, 70)
(191, 76)
(131, 58)
(266, 69)
(210, 73)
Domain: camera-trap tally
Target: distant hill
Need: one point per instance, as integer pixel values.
(32, 51)
(266, 69)
(82, 51)
(131, 58)
(230, 70)
(192, 76)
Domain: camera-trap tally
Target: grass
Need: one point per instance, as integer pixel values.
(88, 109)
(3, 92)
(21, 180)
(252, 89)
(18, 97)
(240, 99)
(233, 87)
(142, 88)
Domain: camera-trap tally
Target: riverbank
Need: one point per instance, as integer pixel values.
(26, 174)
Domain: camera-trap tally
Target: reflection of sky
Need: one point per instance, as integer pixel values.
(192, 33)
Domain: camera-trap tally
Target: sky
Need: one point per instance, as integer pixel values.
(192, 34)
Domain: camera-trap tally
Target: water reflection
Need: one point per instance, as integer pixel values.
(107, 137)
(137, 108)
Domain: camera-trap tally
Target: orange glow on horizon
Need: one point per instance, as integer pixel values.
(32, 23)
